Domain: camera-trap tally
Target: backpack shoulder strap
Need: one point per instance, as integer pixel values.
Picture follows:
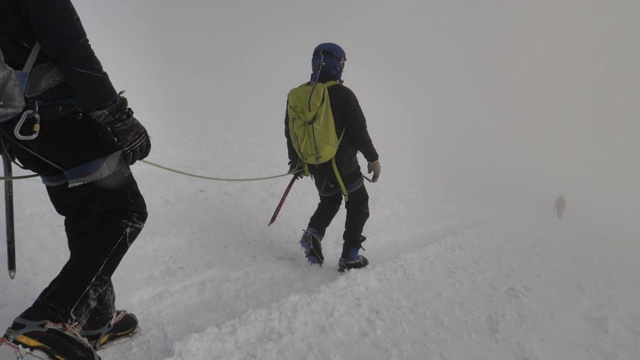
(23, 75)
(32, 58)
(332, 82)
(343, 188)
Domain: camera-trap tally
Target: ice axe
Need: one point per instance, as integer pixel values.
(8, 210)
(284, 197)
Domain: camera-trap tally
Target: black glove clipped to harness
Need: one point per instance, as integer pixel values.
(127, 131)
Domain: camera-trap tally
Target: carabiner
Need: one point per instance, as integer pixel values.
(36, 127)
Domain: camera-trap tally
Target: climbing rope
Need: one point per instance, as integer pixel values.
(18, 177)
(210, 177)
(4, 178)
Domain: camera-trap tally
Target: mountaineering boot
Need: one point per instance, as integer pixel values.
(60, 341)
(353, 260)
(100, 331)
(356, 263)
(310, 242)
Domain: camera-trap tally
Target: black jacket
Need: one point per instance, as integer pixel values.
(349, 116)
(56, 25)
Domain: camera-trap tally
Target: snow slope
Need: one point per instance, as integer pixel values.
(467, 258)
(209, 280)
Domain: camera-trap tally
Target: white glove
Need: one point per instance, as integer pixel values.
(375, 168)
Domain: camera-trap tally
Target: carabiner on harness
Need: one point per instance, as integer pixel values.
(28, 114)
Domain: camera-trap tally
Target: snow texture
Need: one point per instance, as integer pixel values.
(467, 258)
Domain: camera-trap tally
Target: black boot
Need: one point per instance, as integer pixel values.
(311, 243)
(59, 340)
(100, 331)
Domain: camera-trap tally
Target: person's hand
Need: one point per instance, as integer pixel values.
(374, 167)
(296, 169)
(127, 131)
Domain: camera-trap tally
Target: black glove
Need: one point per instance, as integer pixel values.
(127, 131)
(374, 167)
(296, 168)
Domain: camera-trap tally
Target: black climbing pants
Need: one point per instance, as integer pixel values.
(102, 217)
(357, 214)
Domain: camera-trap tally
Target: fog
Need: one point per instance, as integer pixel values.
(498, 105)
(506, 104)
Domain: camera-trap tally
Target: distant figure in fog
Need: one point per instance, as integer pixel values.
(559, 206)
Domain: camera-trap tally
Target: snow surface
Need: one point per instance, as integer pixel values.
(467, 258)
(209, 280)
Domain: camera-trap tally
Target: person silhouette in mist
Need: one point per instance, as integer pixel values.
(559, 206)
(86, 142)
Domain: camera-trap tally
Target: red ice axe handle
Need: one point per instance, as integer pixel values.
(284, 197)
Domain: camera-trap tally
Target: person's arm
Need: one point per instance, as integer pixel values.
(64, 42)
(356, 125)
(294, 160)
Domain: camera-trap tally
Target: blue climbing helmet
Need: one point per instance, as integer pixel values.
(328, 60)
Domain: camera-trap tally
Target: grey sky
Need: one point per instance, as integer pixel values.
(515, 101)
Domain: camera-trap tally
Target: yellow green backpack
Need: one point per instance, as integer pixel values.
(312, 129)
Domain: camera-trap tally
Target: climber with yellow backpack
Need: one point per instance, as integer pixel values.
(325, 129)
